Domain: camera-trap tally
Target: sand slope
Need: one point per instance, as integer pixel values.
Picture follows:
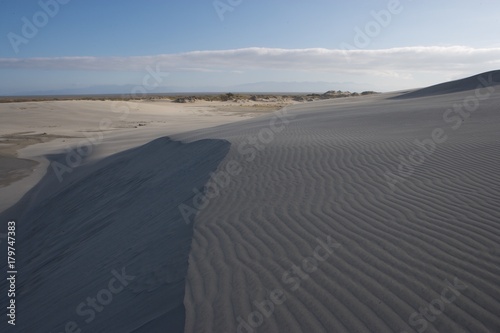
(491, 78)
(325, 175)
(116, 217)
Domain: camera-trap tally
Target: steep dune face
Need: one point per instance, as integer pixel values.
(488, 79)
(402, 234)
(106, 250)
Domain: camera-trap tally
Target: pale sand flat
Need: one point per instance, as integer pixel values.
(39, 128)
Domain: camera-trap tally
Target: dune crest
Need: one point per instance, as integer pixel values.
(112, 229)
(487, 79)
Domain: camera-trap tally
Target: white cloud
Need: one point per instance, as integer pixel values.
(401, 63)
(382, 70)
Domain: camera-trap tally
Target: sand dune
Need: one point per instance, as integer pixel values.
(325, 175)
(470, 83)
(116, 217)
(346, 215)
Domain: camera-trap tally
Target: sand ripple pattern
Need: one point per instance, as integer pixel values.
(325, 175)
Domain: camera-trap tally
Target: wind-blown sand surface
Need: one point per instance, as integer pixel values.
(325, 181)
(324, 175)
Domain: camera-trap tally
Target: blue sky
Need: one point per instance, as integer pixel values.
(86, 43)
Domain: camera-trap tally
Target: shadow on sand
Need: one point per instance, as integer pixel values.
(107, 249)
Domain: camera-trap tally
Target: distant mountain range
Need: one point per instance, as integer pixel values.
(261, 87)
